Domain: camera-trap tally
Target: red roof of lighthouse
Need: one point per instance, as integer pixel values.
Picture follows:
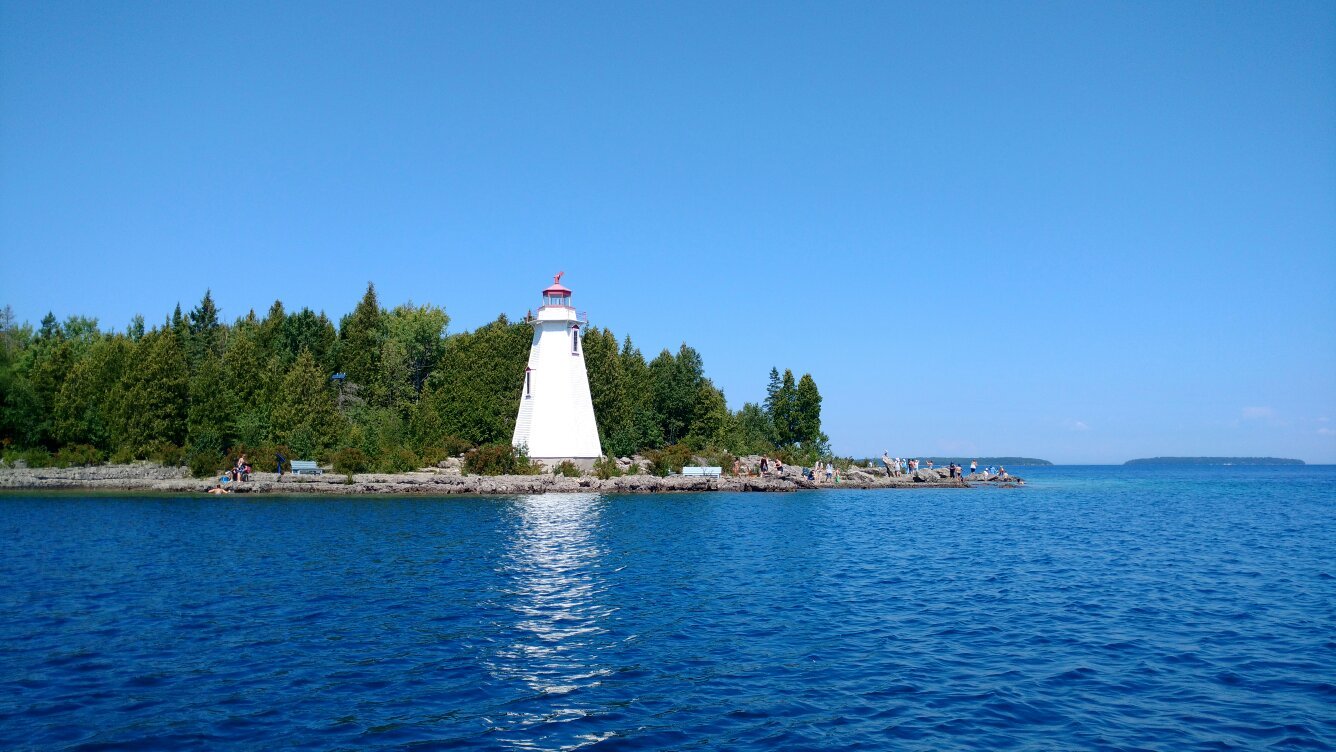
(557, 288)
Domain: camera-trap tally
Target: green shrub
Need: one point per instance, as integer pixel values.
(78, 455)
(719, 458)
(568, 469)
(35, 457)
(400, 460)
(167, 454)
(669, 459)
(498, 459)
(350, 460)
(123, 456)
(205, 464)
(606, 467)
(453, 446)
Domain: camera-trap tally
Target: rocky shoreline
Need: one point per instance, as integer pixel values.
(152, 478)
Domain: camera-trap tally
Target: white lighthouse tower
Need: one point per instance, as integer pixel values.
(556, 418)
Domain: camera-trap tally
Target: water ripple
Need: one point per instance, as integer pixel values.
(1098, 608)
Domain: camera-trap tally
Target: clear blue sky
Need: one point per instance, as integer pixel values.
(1079, 231)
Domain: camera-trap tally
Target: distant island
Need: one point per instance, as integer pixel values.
(1214, 461)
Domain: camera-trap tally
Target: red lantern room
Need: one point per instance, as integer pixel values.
(558, 294)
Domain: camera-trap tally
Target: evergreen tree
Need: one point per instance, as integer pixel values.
(50, 330)
(783, 412)
(360, 336)
(85, 409)
(772, 391)
(475, 393)
(156, 395)
(305, 417)
(205, 332)
(209, 419)
(807, 412)
(272, 338)
(676, 380)
(251, 376)
(607, 383)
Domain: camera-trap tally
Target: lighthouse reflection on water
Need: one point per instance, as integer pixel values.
(557, 581)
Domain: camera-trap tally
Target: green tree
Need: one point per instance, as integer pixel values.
(475, 393)
(676, 379)
(607, 382)
(750, 431)
(360, 336)
(709, 417)
(419, 331)
(785, 416)
(807, 413)
(209, 419)
(305, 417)
(156, 394)
(205, 331)
(85, 409)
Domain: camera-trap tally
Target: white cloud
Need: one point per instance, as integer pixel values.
(1324, 431)
(1078, 425)
(1258, 413)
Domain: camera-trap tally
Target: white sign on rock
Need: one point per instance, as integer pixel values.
(556, 418)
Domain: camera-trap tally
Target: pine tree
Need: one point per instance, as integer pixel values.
(205, 332)
(210, 417)
(772, 391)
(360, 336)
(784, 412)
(807, 412)
(305, 417)
(156, 395)
(85, 409)
(607, 383)
(475, 393)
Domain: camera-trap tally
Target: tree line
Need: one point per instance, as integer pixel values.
(389, 385)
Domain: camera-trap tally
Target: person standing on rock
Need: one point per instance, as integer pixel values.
(886, 460)
(765, 466)
(974, 466)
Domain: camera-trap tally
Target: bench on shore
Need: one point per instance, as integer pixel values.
(706, 471)
(305, 466)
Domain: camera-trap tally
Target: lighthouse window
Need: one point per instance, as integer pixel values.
(575, 342)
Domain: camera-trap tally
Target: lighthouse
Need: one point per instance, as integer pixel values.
(556, 418)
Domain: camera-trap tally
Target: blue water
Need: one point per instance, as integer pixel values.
(1096, 608)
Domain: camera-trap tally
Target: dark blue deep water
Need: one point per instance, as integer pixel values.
(1097, 608)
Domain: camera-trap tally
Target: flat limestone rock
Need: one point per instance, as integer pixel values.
(150, 477)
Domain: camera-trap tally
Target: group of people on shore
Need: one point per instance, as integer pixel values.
(767, 467)
(897, 467)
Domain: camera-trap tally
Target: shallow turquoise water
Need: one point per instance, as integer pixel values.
(1096, 608)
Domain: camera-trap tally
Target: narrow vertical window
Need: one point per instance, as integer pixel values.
(527, 371)
(575, 340)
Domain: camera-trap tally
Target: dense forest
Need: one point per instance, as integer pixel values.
(384, 390)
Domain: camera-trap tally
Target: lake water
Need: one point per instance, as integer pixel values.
(1096, 608)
